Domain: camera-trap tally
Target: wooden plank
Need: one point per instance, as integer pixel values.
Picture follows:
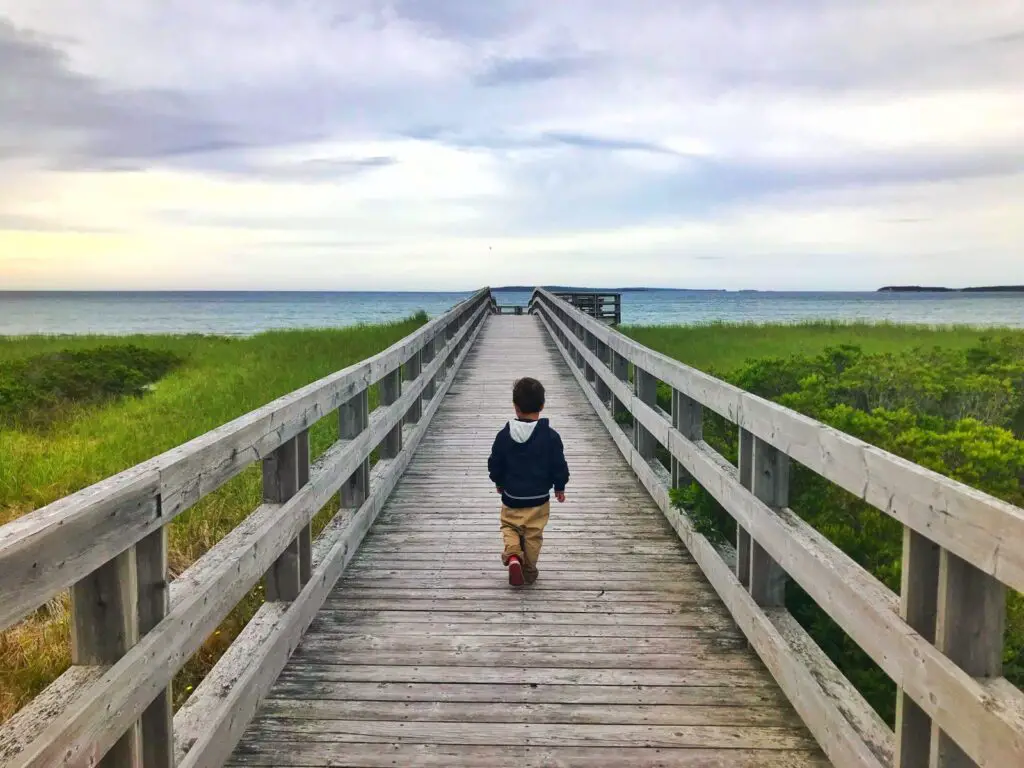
(534, 734)
(352, 673)
(746, 477)
(970, 626)
(696, 643)
(353, 419)
(312, 654)
(918, 607)
(157, 731)
(390, 391)
(727, 696)
(457, 624)
(293, 754)
(770, 484)
(51, 548)
(280, 483)
(532, 712)
(647, 392)
(410, 372)
(104, 627)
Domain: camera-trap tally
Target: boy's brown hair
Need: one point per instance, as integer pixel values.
(528, 395)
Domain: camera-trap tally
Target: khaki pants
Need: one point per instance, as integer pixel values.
(523, 532)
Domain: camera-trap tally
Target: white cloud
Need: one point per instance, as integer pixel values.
(287, 143)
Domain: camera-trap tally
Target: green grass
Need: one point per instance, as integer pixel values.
(720, 347)
(216, 379)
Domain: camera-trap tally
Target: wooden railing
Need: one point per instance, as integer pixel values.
(133, 628)
(606, 307)
(940, 640)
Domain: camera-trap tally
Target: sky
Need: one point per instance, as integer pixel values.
(449, 144)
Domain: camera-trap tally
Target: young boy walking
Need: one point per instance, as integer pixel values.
(526, 462)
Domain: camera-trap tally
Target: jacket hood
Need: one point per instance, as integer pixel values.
(521, 431)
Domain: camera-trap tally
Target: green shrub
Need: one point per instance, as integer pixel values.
(958, 412)
(34, 391)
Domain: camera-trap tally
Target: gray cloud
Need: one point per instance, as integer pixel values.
(598, 143)
(514, 71)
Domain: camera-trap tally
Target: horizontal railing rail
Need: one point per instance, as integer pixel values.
(940, 640)
(133, 628)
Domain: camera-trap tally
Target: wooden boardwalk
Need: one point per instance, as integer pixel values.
(620, 655)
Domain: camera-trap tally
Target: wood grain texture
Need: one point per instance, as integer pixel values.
(423, 653)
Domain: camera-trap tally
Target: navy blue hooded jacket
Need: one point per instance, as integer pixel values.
(526, 461)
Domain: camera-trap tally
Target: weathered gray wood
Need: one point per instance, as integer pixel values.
(411, 371)
(354, 417)
(746, 476)
(770, 483)
(104, 627)
(426, 356)
(918, 607)
(48, 550)
(211, 722)
(306, 534)
(427, 635)
(846, 726)
(604, 354)
(688, 418)
(281, 471)
(154, 602)
(390, 391)
(964, 520)
(647, 392)
(970, 625)
(200, 598)
(989, 719)
(294, 753)
(27, 724)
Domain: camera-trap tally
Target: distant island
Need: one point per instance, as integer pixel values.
(933, 289)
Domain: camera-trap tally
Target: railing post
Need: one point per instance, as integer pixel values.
(104, 626)
(390, 391)
(770, 483)
(412, 372)
(970, 623)
(590, 342)
(426, 358)
(746, 467)
(620, 368)
(353, 418)
(284, 472)
(603, 390)
(306, 534)
(647, 392)
(688, 418)
(919, 579)
(157, 721)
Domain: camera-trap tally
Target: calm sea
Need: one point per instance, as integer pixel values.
(241, 314)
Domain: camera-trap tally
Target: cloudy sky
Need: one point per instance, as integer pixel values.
(318, 144)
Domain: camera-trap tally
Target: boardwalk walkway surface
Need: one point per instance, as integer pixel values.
(620, 655)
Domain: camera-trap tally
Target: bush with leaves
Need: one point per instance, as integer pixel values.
(959, 413)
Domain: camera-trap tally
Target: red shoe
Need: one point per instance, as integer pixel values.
(515, 572)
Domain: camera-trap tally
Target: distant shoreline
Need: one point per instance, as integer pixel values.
(933, 289)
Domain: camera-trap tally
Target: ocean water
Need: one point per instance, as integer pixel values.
(242, 314)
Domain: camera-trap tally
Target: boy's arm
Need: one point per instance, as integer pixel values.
(559, 468)
(496, 464)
